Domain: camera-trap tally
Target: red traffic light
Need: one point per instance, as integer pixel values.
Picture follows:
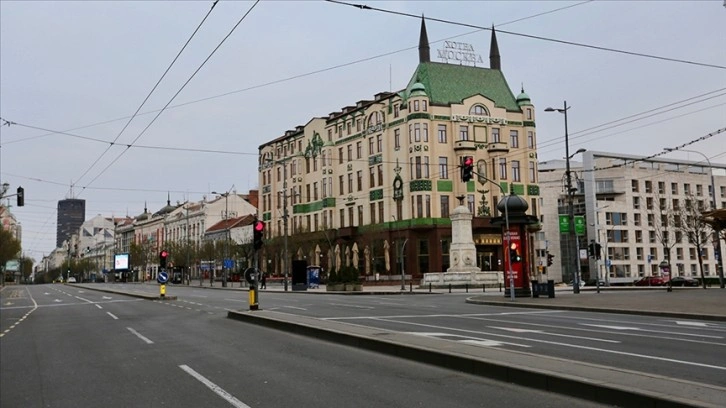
(164, 254)
(259, 226)
(468, 161)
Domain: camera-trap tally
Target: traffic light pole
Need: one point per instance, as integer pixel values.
(507, 232)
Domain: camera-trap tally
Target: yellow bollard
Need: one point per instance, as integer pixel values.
(253, 298)
(162, 290)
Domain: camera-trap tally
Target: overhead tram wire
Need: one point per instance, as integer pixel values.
(310, 73)
(534, 37)
(150, 92)
(173, 97)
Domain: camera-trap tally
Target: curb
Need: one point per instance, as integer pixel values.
(583, 388)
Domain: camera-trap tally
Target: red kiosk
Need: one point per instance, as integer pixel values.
(515, 244)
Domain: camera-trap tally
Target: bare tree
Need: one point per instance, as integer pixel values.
(663, 215)
(689, 220)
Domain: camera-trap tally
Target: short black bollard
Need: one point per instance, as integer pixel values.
(483, 287)
(467, 288)
(410, 286)
(429, 287)
(449, 288)
(500, 286)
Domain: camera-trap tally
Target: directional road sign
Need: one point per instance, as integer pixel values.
(162, 277)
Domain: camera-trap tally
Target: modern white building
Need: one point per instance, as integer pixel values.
(629, 203)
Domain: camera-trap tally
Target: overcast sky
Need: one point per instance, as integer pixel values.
(85, 67)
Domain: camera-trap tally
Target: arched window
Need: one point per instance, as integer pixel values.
(374, 119)
(478, 110)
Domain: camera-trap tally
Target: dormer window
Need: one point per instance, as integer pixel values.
(478, 110)
(374, 119)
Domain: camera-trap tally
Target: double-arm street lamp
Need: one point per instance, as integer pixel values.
(570, 205)
(717, 242)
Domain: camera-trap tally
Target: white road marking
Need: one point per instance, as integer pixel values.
(112, 315)
(650, 331)
(468, 340)
(697, 324)
(99, 306)
(139, 335)
(295, 307)
(214, 387)
(35, 307)
(624, 353)
(9, 303)
(353, 306)
(513, 329)
(57, 300)
(106, 297)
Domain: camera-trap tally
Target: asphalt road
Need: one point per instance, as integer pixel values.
(64, 346)
(685, 349)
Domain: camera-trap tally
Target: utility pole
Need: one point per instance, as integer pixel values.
(284, 220)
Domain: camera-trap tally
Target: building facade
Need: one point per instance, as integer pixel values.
(71, 214)
(382, 175)
(633, 211)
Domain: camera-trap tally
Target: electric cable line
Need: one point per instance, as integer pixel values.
(172, 98)
(298, 76)
(535, 37)
(150, 92)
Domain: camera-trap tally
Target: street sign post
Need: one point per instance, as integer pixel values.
(162, 278)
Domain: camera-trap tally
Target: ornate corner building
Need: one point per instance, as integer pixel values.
(373, 185)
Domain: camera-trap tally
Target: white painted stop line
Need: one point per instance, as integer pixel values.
(214, 387)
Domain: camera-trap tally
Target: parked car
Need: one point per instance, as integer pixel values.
(652, 281)
(71, 280)
(684, 281)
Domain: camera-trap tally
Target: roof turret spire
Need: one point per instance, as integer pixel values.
(495, 61)
(424, 53)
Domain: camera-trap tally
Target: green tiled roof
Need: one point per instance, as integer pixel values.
(447, 83)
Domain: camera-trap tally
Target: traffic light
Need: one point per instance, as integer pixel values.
(21, 196)
(467, 169)
(550, 257)
(514, 256)
(591, 250)
(258, 232)
(598, 251)
(163, 255)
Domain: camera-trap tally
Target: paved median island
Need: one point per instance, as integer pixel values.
(588, 381)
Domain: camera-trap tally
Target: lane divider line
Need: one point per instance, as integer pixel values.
(141, 336)
(112, 315)
(214, 387)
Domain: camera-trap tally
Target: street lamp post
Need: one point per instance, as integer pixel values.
(717, 242)
(570, 206)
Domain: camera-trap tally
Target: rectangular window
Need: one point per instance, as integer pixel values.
(416, 106)
(513, 138)
(495, 135)
(530, 139)
(515, 171)
(357, 125)
(532, 173)
(350, 183)
(470, 202)
(350, 152)
(396, 110)
(674, 188)
(350, 216)
(380, 174)
(342, 217)
(373, 213)
(419, 206)
(315, 191)
(358, 150)
(443, 167)
(397, 139)
(341, 186)
(426, 132)
(502, 169)
(379, 143)
(360, 215)
(370, 146)
(340, 155)
(444, 206)
(635, 186)
(424, 106)
(359, 178)
(464, 132)
(417, 132)
(330, 135)
(372, 179)
(380, 211)
(442, 133)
